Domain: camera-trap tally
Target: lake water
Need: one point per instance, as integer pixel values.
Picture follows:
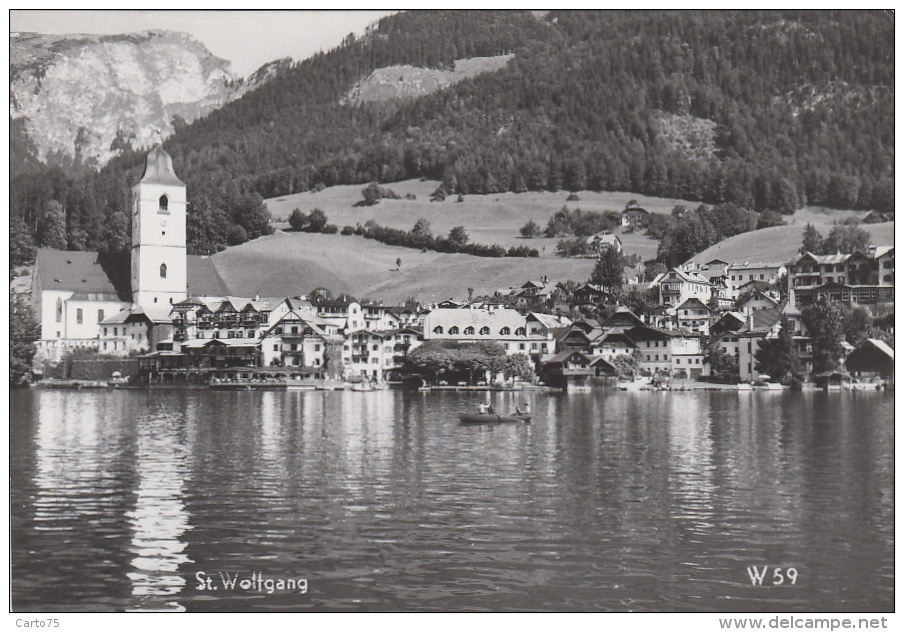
(607, 501)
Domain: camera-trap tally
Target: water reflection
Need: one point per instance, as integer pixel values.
(691, 461)
(384, 501)
(159, 519)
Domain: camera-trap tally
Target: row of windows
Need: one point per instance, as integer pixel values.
(751, 277)
(484, 331)
(294, 347)
(79, 314)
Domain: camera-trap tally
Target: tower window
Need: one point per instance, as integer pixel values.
(78, 316)
(162, 270)
(164, 204)
(59, 310)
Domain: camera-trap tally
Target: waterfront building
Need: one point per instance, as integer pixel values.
(299, 338)
(506, 326)
(377, 355)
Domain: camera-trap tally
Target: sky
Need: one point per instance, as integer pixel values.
(248, 39)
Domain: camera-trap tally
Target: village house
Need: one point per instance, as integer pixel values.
(132, 331)
(379, 317)
(875, 217)
(611, 344)
(602, 240)
(728, 321)
(693, 315)
(408, 316)
(569, 369)
(677, 286)
(531, 295)
(635, 217)
(669, 353)
(343, 311)
(756, 301)
(589, 294)
(740, 274)
(743, 343)
(298, 339)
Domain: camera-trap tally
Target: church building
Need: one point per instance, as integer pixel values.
(118, 305)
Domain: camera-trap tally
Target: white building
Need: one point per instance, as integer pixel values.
(117, 305)
(676, 286)
(491, 324)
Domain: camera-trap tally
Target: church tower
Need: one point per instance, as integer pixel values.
(159, 262)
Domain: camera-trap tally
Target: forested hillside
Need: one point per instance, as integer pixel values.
(767, 110)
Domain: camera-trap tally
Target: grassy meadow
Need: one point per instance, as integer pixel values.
(290, 263)
(780, 244)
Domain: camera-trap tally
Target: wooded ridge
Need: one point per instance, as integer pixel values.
(768, 111)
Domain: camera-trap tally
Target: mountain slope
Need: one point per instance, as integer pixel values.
(768, 110)
(788, 109)
(79, 99)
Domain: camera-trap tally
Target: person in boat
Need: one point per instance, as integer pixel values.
(483, 409)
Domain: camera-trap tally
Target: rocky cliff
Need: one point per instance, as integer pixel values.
(79, 99)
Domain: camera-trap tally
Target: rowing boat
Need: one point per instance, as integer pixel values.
(491, 418)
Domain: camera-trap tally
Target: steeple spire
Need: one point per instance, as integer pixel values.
(159, 168)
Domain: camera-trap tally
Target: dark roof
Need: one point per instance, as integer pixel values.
(203, 278)
(83, 271)
(696, 300)
(598, 360)
(764, 319)
(563, 356)
(623, 317)
(159, 168)
(645, 332)
(92, 272)
(871, 355)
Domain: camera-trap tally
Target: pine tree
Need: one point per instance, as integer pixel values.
(52, 232)
(777, 357)
(23, 332)
(812, 240)
(609, 271)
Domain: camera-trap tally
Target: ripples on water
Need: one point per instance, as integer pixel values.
(383, 501)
